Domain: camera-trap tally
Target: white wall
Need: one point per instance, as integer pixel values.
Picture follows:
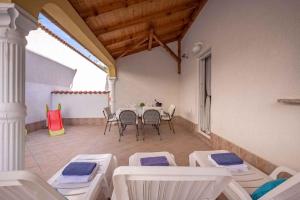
(255, 60)
(146, 76)
(37, 96)
(43, 76)
(81, 105)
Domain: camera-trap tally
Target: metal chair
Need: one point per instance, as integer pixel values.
(110, 118)
(168, 116)
(151, 117)
(128, 117)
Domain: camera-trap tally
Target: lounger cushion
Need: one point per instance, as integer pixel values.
(155, 161)
(227, 159)
(79, 168)
(265, 188)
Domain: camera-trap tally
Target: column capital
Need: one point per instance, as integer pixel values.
(14, 18)
(112, 78)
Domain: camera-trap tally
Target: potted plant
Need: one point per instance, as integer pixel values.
(142, 104)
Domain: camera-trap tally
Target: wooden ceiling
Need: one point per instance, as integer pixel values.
(125, 27)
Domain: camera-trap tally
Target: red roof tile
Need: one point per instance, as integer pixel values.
(78, 92)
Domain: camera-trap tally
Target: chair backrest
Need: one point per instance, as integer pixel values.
(26, 186)
(171, 110)
(107, 112)
(151, 117)
(128, 117)
(169, 183)
(288, 190)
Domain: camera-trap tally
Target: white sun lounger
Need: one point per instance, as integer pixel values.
(134, 160)
(100, 187)
(169, 183)
(244, 183)
(16, 185)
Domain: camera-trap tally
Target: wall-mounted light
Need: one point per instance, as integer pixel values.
(197, 48)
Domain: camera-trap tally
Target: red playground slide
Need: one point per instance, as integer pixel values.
(54, 119)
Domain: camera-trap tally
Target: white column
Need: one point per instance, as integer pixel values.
(15, 24)
(112, 93)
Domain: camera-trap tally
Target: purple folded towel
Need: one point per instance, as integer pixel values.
(227, 159)
(154, 161)
(79, 169)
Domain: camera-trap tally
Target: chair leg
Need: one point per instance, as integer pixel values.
(109, 126)
(157, 128)
(137, 133)
(124, 127)
(172, 127)
(105, 127)
(143, 131)
(120, 131)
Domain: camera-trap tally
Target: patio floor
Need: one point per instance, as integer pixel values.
(45, 155)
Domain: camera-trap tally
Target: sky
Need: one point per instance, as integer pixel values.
(88, 76)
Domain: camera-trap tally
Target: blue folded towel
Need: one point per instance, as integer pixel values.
(227, 159)
(154, 161)
(79, 169)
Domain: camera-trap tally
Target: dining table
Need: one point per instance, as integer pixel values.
(140, 110)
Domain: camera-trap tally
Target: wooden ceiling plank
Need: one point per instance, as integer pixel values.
(197, 10)
(150, 39)
(160, 29)
(147, 18)
(166, 47)
(101, 9)
(133, 47)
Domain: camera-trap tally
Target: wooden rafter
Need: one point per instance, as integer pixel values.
(179, 55)
(144, 46)
(133, 47)
(193, 16)
(147, 18)
(166, 47)
(166, 38)
(150, 39)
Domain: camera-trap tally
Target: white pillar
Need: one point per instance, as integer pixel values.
(112, 93)
(15, 24)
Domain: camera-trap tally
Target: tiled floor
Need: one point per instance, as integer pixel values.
(45, 155)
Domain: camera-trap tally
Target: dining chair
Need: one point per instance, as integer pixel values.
(151, 117)
(128, 117)
(168, 116)
(110, 118)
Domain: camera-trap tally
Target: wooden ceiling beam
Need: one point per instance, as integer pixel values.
(134, 46)
(166, 47)
(99, 9)
(179, 55)
(148, 18)
(197, 10)
(150, 39)
(161, 29)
